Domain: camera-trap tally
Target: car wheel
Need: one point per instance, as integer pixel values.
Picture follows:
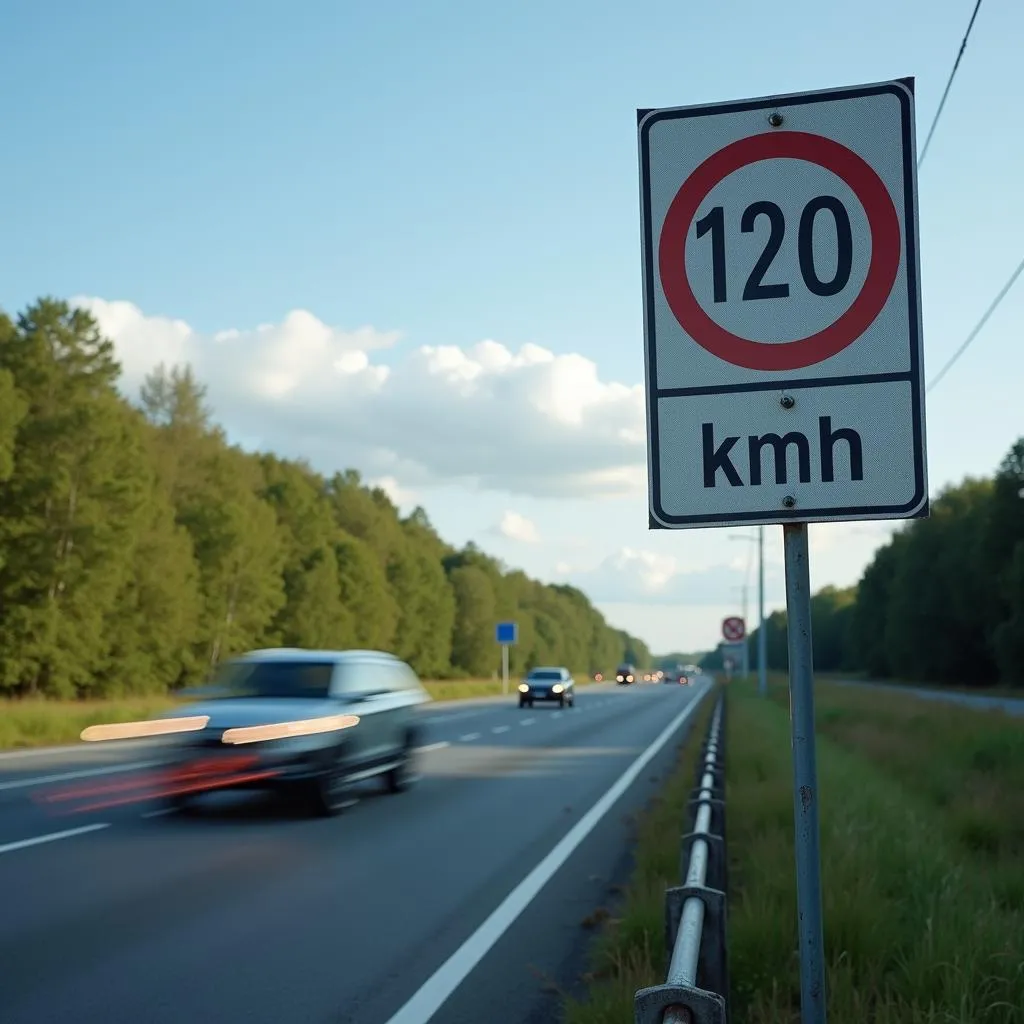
(403, 775)
(330, 792)
(522, 703)
(561, 702)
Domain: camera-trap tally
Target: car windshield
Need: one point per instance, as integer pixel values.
(274, 679)
(624, 669)
(545, 673)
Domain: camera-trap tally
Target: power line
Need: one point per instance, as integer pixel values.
(952, 75)
(981, 323)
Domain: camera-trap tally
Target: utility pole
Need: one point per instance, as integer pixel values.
(746, 626)
(762, 639)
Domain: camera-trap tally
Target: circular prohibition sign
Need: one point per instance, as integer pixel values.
(843, 332)
(734, 629)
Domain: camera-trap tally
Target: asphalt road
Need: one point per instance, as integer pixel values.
(460, 901)
(982, 702)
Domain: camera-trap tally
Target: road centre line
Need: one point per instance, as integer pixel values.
(469, 737)
(51, 837)
(433, 746)
(500, 728)
(432, 995)
(85, 773)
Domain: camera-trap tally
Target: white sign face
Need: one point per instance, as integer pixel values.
(782, 313)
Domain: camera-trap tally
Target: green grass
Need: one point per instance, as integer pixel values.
(922, 833)
(965, 766)
(963, 687)
(922, 924)
(43, 723)
(629, 950)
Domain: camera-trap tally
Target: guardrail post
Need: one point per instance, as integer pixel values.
(711, 960)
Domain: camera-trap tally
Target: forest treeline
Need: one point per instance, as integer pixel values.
(138, 548)
(941, 602)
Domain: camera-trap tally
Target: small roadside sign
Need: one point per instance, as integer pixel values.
(734, 629)
(507, 632)
(782, 311)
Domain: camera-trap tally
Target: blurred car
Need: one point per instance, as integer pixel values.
(682, 674)
(625, 674)
(311, 723)
(547, 684)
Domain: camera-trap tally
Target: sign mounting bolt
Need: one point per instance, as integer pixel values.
(787, 401)
(789, 501)
(775, 120)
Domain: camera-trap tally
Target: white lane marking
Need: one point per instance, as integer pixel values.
(80, 748)
(85, 773)
(469, 737)
(52, 837)
(527, 721)
(500, 728)
(158, 814)
(432, 995)
(557, 714)
(433, 746)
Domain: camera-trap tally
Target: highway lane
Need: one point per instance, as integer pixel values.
(248, 911)
(978, 701)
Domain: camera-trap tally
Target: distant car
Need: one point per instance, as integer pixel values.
(625, 674)
(310, 723)
(548, 684)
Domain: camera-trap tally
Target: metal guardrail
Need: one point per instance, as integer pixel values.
(696, 988)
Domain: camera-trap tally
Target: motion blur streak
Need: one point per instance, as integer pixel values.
(140, 730)
(288, 730)
(156, 786)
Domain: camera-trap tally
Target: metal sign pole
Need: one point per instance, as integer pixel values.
(805, 775)
(762, 639)
(504, 668)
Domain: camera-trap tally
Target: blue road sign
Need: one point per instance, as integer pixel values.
(507, 632)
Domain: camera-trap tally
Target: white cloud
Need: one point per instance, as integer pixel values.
(518, 528)
(528, 422)
(400, 496)
(635, 576)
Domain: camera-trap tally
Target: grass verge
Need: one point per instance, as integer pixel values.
(43, 723)
(922, 836)
(629, 951)
(1003, 692)
(922, 923)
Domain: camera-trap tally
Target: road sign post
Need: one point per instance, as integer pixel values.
(784, 374)
(505, 633)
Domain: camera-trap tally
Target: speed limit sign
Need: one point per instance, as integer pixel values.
(782, 309)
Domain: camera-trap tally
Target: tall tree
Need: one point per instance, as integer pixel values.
(73, 504)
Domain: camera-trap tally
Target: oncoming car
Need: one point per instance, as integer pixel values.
(625, 674)
(547, 684)
(311, 723)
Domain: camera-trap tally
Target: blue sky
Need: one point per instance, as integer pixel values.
(465, 171)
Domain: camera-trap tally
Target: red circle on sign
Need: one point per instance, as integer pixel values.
(885, 251)
(733, 629)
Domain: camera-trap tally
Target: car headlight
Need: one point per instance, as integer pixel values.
(619, 679)
(557, 688)
(523, 688)
(629, 679)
